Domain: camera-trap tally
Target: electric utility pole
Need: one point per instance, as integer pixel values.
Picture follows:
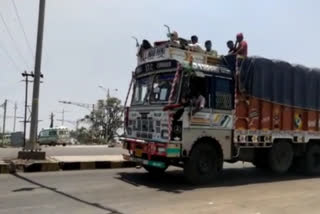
(15, 116)
(26, 75)
(51, 120)
(32, 146)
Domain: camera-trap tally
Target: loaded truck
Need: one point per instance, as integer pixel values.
(257, 110)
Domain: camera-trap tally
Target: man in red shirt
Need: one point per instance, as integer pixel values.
(242, 47)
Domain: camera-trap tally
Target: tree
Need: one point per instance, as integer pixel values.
(106, 119)
(82, 135)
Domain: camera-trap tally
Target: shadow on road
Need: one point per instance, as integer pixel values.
(25, 189)
(174, 182)
(96, 205)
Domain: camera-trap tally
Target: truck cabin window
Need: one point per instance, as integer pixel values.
(223, 94)
(198, 87)
(161, 88)
(140, 91)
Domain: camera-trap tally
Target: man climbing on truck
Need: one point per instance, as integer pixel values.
(242, 47)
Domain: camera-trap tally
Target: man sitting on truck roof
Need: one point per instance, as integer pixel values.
(195, 46)
(209, 51)
(174, 38)
(242, 47)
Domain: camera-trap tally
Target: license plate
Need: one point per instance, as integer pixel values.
(138, 152)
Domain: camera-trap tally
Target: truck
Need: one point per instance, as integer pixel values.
(257, 110)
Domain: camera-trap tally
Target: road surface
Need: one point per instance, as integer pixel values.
(85, 150)
(131, 191)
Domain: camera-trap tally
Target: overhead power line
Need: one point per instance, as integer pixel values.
(13, 40)
(10, 57)
(22, 28)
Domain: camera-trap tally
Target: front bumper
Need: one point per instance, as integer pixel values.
(141, 148)
(158, 164)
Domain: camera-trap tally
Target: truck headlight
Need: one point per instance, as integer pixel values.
(164, 134)
(177, 131)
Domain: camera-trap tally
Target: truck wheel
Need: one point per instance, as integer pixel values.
(154, 170)
(280, 157)
(312, 160)
(203, 164)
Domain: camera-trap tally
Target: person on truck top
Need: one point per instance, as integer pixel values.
(230, 45)
(143, 47)
(174, 37)
(195, 46)
(242, 47)
(209, 51)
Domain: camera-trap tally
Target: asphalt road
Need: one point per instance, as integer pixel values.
(8, 153)
(131, 191)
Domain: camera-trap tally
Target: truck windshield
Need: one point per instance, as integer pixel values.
(161, 88)
(141, 90)
(155, 88)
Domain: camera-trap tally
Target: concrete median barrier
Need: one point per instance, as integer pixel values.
(4, 167)
(93, 162)
(56, 163)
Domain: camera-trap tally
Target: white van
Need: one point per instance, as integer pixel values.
(54, 136)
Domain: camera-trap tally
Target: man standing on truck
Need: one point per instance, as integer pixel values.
(230, 45)
(242, 47)
(209, 51)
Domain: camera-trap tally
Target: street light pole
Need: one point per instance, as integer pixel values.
(4, 120)
(107, 91)
(15, 116)
(33, 146)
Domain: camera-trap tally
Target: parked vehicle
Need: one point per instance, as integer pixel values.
(6, 140)
(54, 136)
(260, 111)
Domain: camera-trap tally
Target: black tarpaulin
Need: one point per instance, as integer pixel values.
(281, 82)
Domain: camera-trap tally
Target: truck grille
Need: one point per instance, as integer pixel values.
(144, 127)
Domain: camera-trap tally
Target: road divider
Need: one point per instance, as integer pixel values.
(4, 167)
(56, 163)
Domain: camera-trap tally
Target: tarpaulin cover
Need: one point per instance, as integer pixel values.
(280, 82)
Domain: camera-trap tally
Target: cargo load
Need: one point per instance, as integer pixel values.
(281, 82)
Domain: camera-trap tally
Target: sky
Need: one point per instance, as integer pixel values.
(88, 43)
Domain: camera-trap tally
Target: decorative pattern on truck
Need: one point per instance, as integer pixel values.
(148, 125)
(164, 53)
(214, 120)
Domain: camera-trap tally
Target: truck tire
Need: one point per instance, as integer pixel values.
(281, 156)
(154, 170)
(203, 165)
(312, 160)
